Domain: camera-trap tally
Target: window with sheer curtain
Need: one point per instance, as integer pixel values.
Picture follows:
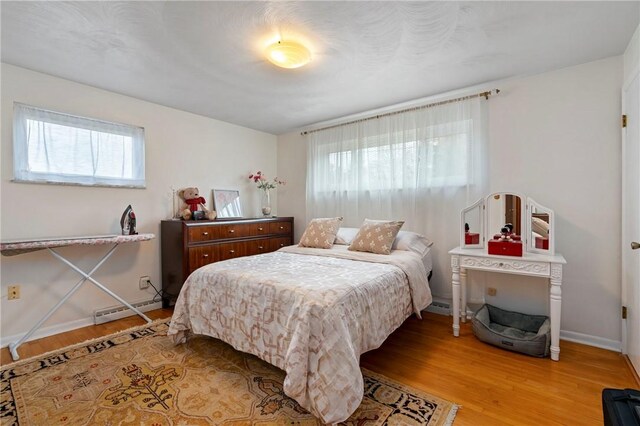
(421, 166)
(53, 147)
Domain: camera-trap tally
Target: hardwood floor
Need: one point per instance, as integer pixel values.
(497, 387)
(46, 344)
(493, 386)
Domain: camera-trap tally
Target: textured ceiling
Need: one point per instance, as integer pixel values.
(207, 57)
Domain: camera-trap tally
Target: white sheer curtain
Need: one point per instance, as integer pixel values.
(61, 148)
(421, 166)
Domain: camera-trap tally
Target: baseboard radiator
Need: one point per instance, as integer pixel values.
(113, 313)
(439, 306)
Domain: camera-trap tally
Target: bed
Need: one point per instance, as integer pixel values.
(311, 312)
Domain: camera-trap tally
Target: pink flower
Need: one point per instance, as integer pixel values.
(263, 183)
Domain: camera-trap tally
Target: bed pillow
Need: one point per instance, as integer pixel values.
(376, 236)
(412, 241)
(321, 233)
(346, 235)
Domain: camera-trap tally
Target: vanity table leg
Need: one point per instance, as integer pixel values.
(455, 284)
(555, 305)
(463, 291)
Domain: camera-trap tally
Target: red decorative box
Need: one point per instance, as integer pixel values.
(542, 243)
(471, 238)
(505, 248)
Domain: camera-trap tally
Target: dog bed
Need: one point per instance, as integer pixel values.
(527, 334)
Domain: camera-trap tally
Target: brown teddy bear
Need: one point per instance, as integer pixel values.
(193, 202)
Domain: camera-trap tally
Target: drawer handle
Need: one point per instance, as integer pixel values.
(282, 227)
(204, 234)
(259, 229)
(232, 251)
(501, 264)
(231, 231)
(260, 247)
(205, 255)
(282, 245)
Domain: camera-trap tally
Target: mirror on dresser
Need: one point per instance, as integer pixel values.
(504, 210)
(541, 229)
(506, 213)
(472, 225)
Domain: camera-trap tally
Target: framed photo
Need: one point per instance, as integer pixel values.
(227, 203)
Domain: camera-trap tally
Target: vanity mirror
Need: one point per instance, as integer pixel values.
(472, 226)
(504, 209)
(540, 239)
(525, 220)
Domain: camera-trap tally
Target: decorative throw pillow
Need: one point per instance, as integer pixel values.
(321, 233)
(376, 236)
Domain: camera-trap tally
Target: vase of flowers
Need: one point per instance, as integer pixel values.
(265, 185)
(266, 202)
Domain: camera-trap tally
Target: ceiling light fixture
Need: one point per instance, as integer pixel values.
(288, 54)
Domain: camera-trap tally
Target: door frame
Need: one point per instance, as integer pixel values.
(624, 243)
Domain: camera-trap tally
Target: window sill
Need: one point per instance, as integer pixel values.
(98, 185)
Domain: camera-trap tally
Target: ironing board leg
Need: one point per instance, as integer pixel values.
(100, 286)
(13, 347)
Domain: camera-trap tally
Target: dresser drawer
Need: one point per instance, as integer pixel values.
(200, 256)
(239, 230)
(203, 233)
(513, 266)
(278, 243)
(235, 249)
(258, 246)
(280, 227)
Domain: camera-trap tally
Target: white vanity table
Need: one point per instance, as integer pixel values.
(534, 223)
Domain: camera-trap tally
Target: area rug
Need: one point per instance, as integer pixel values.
(139, 377)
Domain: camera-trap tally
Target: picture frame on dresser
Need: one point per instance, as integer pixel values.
(227, 203)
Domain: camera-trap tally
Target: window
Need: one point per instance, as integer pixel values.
(59, 148)
(434, 156)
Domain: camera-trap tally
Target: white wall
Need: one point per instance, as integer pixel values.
(556, 138)
(182, 149)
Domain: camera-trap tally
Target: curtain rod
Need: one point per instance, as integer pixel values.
(448, 101)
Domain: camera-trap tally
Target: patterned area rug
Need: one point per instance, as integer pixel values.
(139, 377)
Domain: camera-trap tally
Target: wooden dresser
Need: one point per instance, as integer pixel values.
(188, 245)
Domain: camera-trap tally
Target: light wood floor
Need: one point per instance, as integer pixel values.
(493, 386)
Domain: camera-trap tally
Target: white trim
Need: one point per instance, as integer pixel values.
(48, 331)
(75, 324)
(586, 339)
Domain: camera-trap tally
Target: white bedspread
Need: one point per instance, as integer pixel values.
(310, 312)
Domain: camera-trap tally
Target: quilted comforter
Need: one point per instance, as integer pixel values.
(310, 312)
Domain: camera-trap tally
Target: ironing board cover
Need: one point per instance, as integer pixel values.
(12, 248)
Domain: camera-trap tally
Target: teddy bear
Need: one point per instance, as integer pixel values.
(193, 202)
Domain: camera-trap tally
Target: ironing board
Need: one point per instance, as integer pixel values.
(13, 248)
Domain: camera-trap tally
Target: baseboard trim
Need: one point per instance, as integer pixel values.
(48, 331)
(589, 340)
(634, 373)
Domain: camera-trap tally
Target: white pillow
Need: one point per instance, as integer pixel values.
(405, 240)
(345, 236)
(412, 241)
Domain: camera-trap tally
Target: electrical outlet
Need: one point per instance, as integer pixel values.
(491, 291)
(145, 282)
(14, 292)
